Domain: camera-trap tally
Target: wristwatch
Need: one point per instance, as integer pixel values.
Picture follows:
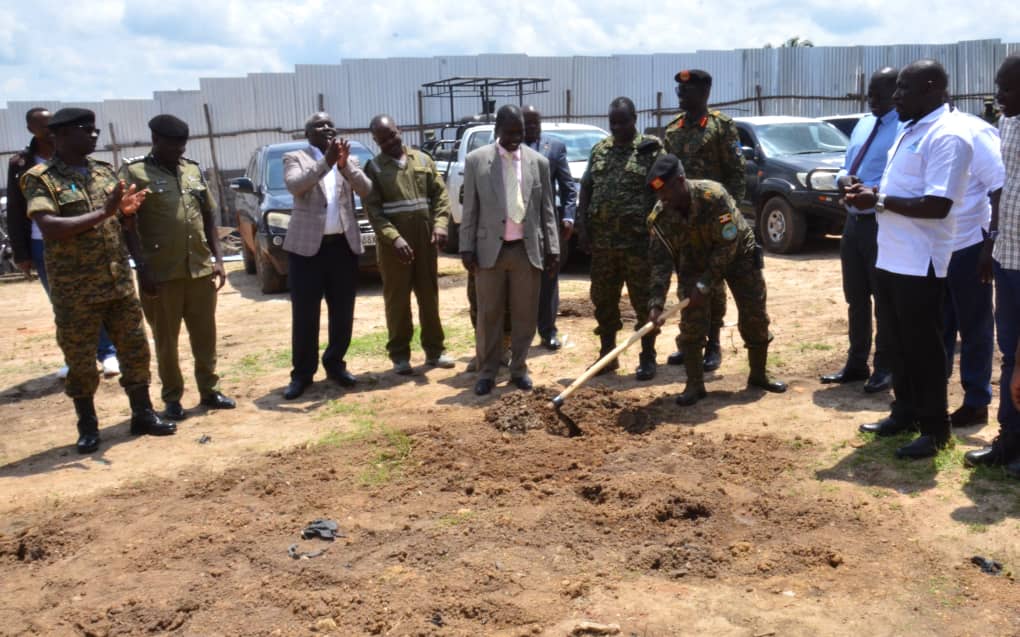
(701, 288)
(880, 204)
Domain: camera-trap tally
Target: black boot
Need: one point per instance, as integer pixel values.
(646, 362)
(757, 356)
(713, 351)
(144, 419)
(695, 389)
(608, 345)
(88, 425)
(1004, 450)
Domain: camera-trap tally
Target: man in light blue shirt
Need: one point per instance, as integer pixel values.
(865, 161)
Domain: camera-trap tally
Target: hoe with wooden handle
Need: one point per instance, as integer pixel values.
(605, 360)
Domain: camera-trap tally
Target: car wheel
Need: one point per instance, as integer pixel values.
(782, 228)
(452, 238)
(249, 258)
(271, 281)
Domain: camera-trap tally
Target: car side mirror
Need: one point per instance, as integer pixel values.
(748, 153)
(242, 184)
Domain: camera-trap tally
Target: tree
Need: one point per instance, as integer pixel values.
(793, 42)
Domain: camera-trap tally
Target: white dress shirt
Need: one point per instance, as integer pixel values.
(513, 230)
(931, 157)
(987, 174)
(334, 225)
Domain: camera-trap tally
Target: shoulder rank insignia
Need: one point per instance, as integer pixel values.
(726, 218)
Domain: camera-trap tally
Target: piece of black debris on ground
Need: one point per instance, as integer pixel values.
(323, 529)
(437, 619)
(987, 566)
(205, 439)
(293, 551)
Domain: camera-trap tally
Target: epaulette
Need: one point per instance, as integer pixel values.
(189, 160)
(102, 163)
(722, 116)
(134, 160)
(649, 144)
(38, 169)
(679, 118)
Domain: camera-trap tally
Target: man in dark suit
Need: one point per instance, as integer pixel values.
(323, 243)
(508, 233)
(555, 152)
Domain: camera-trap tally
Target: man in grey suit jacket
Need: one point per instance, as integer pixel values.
(507, 235)
(323, 243)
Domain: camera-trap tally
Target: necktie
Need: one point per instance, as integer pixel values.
(514, 202)
(864, 149)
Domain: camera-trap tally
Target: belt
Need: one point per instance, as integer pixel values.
(513, 243)
(333, 238)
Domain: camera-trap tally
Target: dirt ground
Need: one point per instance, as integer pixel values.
(749, 514)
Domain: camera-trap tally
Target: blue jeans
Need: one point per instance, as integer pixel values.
(968, 309)
(106, 348)
(1007, 325)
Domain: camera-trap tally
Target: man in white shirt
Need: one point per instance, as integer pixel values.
(924, 182)
(968, 305)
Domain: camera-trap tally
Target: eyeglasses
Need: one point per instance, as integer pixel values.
(89, 128)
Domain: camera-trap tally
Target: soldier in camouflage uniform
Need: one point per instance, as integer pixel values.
(697, 231)
(612, 209)
(80, 208)
(707, 144)
(177, 232)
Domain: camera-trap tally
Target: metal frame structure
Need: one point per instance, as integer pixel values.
(486, 88)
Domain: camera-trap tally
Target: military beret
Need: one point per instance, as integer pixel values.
(694, 76)
(666, 167)
(69, 116)
(169, 126)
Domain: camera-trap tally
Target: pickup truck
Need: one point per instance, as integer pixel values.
(450, 156)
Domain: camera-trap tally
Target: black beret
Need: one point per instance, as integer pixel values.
(69, 116)
(169, 126)
(666, 167)
(694, 76)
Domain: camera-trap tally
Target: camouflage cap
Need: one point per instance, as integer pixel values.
(169, 126)
(666, 167)
(693, 76)
(70, 116)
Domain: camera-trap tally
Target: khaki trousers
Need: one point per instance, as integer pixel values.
(512, 278)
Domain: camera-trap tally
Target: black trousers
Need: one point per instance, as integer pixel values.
(911, 314)
(858, 250)
(331, 273)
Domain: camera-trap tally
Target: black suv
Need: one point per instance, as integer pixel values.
(791, 178)
(263, 213)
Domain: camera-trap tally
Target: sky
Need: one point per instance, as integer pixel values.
(91, 50)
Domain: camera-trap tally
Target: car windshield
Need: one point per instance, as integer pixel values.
(800, 138)
(274, 165)
(578, 142)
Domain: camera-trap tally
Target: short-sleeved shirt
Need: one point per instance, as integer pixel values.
(620, 199)
(700, 245)
(170, 220)
(1007, 246)
(92, 266)
(931, 157)
(987, 174)
(709, 148)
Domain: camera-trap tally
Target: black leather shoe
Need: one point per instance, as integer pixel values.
(1004, 450)
(483, 386)
(174, 411)
(146, 422)
(676, 358)
(691, 395)
(845, 375)
(879, 382)
(986, 456)
(968, 416)
(523, 383)
(217, 400)
(553, 342)
(88, 442)
(921, 447)
(295, 389)
(774, 386)
(888, 426)
(343, 378)
(713, 357)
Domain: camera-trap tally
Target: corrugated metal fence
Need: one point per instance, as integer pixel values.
(264, 108)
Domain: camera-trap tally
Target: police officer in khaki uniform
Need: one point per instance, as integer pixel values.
(707, 144)
(86, 217)
(177, 231)
(697, 231)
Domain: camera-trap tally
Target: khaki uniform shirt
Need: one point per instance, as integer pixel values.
(709, 148)
(414, 188)
(170, 222)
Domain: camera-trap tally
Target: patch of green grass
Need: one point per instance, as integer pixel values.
(458, 337)
(455, 519)
(976, 527)
(816, 347)
(391, 447)
(257, 363)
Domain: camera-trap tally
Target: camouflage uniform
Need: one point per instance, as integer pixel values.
(174, 245)
(711, 244)
(710, 149)
(615, 224)
(90, 277)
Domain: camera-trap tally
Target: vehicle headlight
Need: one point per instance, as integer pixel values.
(822, 180)
(802, 180)
(278, 221)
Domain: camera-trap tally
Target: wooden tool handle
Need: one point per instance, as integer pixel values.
(605, 360)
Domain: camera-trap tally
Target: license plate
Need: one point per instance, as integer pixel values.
(368, 240)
